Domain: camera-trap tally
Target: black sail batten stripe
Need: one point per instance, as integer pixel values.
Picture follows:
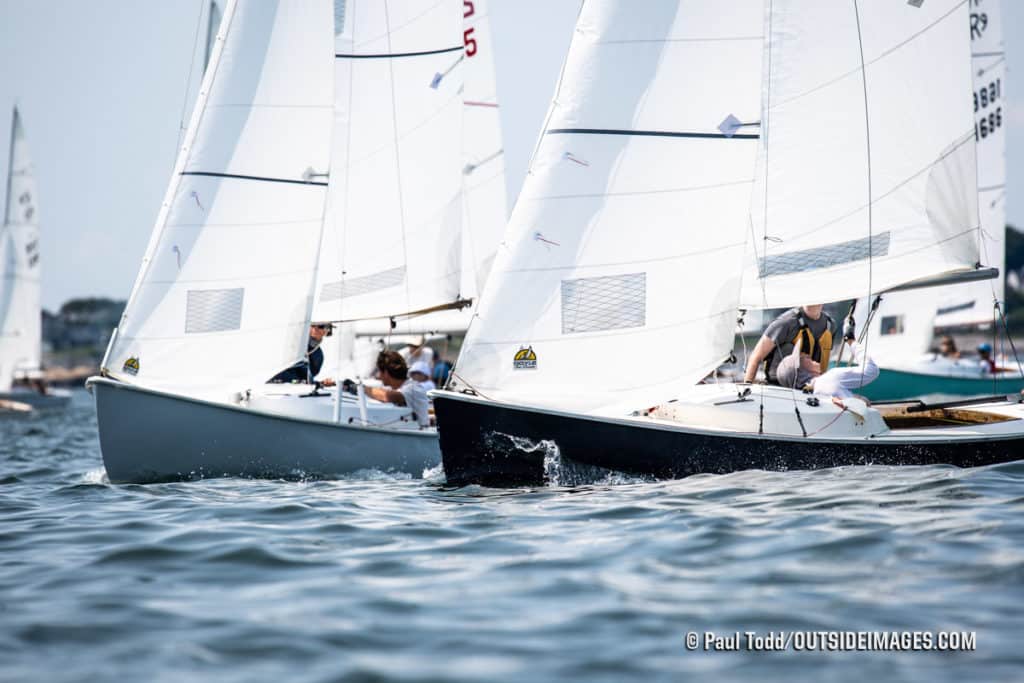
(651, 133)
(254, 177)
(396, 55)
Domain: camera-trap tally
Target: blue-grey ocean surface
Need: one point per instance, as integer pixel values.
(380, 578)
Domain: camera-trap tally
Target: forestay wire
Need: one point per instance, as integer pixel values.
(191, 70)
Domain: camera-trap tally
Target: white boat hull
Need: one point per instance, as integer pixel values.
(149, 436)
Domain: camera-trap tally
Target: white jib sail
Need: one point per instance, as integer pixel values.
(868, 151)
(626, 237)
(392, 241)
(972, 304)
(20, 322)
(223, 297)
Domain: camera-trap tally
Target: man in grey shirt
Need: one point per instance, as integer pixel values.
(808, 322)
(398, 388)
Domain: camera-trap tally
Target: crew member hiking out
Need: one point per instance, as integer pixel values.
(306, 370)
(808, 323)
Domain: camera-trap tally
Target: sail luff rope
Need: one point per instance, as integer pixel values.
(398, 162)
(867, 140)
(188, 83)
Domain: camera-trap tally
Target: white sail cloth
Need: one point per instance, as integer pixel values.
(903, 327)
(20, 322)
(392, 241)
(971, 304)
(635, 202)
(485, 212)
(222, 300)
(869, 150)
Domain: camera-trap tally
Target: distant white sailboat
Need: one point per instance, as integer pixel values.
(701, 158)
(20, 311)
(254, 241)
(902, 332)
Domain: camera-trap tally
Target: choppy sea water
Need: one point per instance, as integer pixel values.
(381, 578)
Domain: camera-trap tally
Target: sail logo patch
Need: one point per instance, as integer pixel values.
(525, 359)
(131, 366)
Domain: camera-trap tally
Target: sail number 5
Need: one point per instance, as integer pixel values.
(467, 36)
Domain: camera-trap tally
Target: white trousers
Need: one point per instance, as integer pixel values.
(842, 382)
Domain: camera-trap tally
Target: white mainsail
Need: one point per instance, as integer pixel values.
(392, 237)
(222, 300)
(867, 176)
(20, 321)
(636, 198)
(902, 328)
(485, 212)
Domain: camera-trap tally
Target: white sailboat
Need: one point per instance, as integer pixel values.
(743, 155)
(20, 312)
(902, 332)
(254, 241)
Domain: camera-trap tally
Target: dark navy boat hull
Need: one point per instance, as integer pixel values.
(497, 445)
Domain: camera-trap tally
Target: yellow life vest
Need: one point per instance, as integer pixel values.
(822, 347)
(818, 348)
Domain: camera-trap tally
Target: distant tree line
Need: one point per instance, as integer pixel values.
(81, 324)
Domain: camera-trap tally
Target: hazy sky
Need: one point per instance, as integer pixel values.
(101, 86)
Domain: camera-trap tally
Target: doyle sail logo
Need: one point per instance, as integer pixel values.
(525, 359)
(131, 366)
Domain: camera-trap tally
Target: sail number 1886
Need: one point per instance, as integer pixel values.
(985, 97)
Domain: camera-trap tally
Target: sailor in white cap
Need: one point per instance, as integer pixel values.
(420, 372)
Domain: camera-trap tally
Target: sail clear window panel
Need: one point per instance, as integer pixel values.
(214, 310)
(358, 286)
(604, 303)
(825, 257)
